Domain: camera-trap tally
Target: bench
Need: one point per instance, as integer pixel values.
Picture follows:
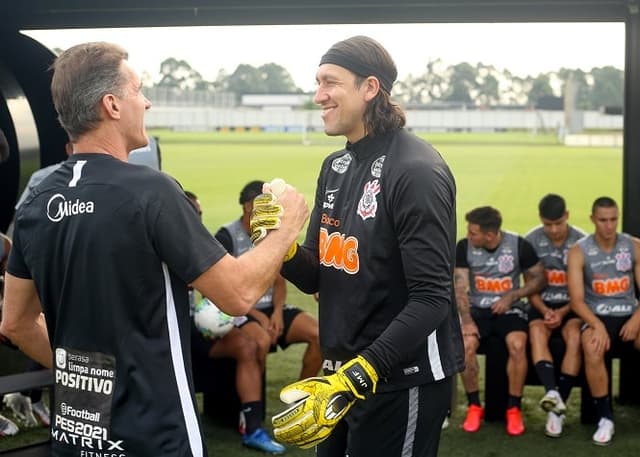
(216, 380)
(14, 379)
(497, 388)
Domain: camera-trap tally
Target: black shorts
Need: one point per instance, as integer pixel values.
(613, 325)
(393, 424)
(534, 314)
(488, 323)
(289, 313)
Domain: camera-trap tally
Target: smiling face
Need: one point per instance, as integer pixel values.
(343, 104)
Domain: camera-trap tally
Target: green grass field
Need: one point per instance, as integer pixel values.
(510, 171)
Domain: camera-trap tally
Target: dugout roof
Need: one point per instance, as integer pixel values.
(23, 62)
(36, 14)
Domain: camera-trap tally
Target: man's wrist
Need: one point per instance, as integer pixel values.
(361, 375)
(465, 318)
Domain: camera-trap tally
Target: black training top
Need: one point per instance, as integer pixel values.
(111, 248)
(380, 249)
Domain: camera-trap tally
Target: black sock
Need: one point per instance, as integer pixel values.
(603, 407)
(252, 415)
(565, 384)
(474, 398)
(514, 401)
(546, 374)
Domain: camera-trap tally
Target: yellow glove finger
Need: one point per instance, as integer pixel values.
(300, 389)
(299, 426)
(312, 436)
(260, 227)
(272, 210)
(266, 222)
(267, 204)
(294, 412)
(265, 216)
(258, 235)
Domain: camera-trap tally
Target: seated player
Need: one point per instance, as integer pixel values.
(603, 272)
(239, 345)
(285, 324)
(550, 311)
(489, 263)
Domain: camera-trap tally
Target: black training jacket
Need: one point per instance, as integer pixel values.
(380, 250)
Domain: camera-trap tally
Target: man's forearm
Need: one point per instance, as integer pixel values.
(33, 340)
(585, 313)
(537, 302)
(464, 307)
(534, 282)
(461, 285)
(36, 345)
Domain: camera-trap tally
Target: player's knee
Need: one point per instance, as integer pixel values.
(470, 350)
(306, 329)
(592, 355)
(517, 346)
(572, 340)
(264, 343)
(313, 338)
(247, 349)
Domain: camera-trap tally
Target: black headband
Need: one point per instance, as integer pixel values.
(360, 68)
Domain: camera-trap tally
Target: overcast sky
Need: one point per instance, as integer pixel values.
(523, 48)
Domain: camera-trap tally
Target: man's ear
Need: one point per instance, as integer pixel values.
(111, 106)
(372, 87)
(247, 207)
(490, 236)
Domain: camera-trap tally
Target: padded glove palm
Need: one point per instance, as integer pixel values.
(318, 404)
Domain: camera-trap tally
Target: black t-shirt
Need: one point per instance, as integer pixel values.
(111, 248)
(224, 237)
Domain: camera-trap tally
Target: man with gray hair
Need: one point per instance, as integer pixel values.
(95, 248)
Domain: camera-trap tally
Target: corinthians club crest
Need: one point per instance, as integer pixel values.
(623, 261)
(368, 205)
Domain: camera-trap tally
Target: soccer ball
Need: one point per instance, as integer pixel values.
(210, 321)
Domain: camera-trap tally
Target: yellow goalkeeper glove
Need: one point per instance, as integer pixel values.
(265, 216)
(319, 403)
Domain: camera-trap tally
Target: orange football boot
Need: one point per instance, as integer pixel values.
(472, 422)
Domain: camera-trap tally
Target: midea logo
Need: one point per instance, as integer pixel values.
(58, 208)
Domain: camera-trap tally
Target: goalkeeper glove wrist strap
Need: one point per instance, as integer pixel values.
(361, 375)
(291, 252)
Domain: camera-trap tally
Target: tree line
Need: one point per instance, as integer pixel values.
(477, 84)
